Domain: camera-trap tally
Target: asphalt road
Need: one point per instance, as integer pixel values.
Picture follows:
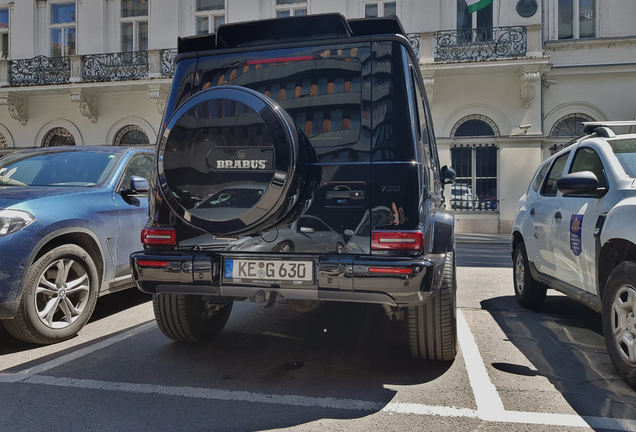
(341, 367)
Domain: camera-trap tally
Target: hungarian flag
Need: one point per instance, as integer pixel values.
(475, 5)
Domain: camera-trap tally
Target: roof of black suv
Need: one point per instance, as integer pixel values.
(277, 30)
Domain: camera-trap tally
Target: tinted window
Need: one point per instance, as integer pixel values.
(422, 129)
(586, 159)
(321, 90)
(390, 112)
(556, 172)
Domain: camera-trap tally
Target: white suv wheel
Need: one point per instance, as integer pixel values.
(623, 322)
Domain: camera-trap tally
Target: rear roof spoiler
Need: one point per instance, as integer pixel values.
(277, 30)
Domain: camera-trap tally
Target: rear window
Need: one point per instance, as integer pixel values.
(625, 151)
(321, 90)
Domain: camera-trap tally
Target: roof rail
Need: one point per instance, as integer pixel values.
(591, 126)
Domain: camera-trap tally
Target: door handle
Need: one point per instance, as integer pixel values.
(532, 212)
(345, 194)
(558, 217)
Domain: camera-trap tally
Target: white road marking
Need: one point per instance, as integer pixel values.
(26, 373)
(489, 404)
(207, 393)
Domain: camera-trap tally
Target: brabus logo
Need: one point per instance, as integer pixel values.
(230, 158)
(259, 164)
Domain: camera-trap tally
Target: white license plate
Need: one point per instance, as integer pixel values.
(268, 271)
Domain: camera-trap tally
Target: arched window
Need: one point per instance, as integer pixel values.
(130, 136)
(570, 125)
(473, 126)
(475, 187)
(58, 136)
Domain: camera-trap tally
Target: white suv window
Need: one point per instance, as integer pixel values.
(539, 178)
(550, 186)
(586, 159)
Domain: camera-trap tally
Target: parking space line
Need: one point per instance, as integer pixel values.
(544, 419)
(26, 373)
(489, 404)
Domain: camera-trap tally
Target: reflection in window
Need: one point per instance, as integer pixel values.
(62, 29)
(58, 137)
(130, 136)
(322, 92)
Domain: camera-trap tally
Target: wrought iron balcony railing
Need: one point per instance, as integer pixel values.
(39, 70)
(116, 66)
(167, 62)
(415, 41)
(480, 44)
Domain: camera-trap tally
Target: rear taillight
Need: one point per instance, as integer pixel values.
(159, 236)
(390, 270)
(151, 263)
(397, 240)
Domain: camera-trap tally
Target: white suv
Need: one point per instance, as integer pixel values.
(575, 232)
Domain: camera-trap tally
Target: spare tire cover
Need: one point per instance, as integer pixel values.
(227, 161)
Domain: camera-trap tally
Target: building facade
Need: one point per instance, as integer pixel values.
(507, 84)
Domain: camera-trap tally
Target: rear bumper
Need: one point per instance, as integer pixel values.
(337, 278)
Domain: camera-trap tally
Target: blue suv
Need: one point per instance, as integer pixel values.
(69, 219)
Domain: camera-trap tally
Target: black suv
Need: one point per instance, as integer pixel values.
(297, 161)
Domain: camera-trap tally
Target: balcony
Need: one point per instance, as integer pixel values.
(122, 66)
(478, 45)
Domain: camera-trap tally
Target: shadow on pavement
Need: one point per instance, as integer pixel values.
(564, 341)
(106, 306)
(340, 351)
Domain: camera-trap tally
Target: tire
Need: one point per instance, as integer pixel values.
(188, 318)
(619, 321)
(432, 327)
(59, 296)
(530, 293)
(284, 247)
